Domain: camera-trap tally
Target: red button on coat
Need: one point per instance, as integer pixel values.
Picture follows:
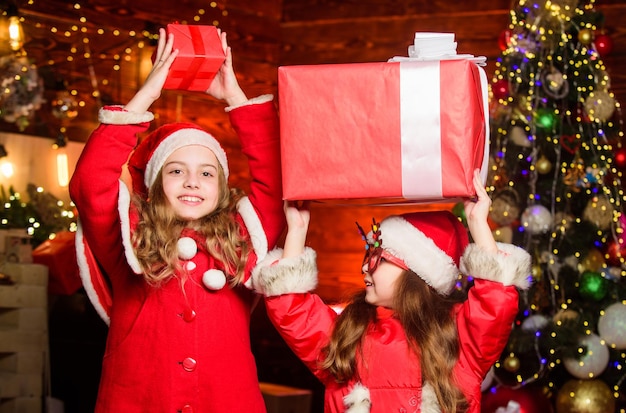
(189, 364)
(187, 409)
(189, 315)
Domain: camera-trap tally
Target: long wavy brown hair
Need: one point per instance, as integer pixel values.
(428, 321)
(158, 231)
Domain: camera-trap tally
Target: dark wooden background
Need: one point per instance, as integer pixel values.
(264, 35)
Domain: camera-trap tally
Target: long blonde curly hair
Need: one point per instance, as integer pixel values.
(158, 230)
(430, 327)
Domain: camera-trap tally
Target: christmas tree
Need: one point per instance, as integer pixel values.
(556, 162)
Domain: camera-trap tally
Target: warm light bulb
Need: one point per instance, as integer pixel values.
(6, 168)
(16, 35)
(63, 176)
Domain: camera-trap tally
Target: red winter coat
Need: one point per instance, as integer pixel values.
(390, 372)
(170, 350)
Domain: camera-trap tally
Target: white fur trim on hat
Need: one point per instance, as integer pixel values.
(275, 275)
(214, 279)
(358, 400)
(419, 253)
(177, 139)
(511, 265)
(123, 117)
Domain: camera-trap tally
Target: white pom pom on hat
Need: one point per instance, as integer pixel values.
(430, 243)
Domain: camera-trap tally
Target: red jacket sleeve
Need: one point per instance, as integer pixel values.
(258, 130)
(94, 188)
(484, 322)
(305, 322)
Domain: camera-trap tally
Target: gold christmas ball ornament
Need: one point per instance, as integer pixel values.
(593, 261)
(519, 137)
(505, 207)
(585, 36)
(585, 396)
(536, 272)
(503, 234)
(565, 315)
(511, 364)
(563, 221)
(599, 211)
(600, 105)
(543, 165)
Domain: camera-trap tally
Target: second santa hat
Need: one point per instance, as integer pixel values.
(430, 243)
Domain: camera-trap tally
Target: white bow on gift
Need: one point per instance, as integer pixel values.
(436, 46)
(512, 407)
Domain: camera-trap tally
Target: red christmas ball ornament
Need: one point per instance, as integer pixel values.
(504, 39)
(620, 158)
(604, 44)
(615, 252)
(500, 89)
(530, 400)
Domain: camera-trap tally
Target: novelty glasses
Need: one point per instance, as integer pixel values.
(374, 251)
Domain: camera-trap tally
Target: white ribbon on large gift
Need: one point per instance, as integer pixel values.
(421, 127)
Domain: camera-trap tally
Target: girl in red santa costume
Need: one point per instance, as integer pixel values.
(403, 344)
(167, 265)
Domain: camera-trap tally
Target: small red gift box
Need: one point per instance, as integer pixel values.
(410, 130)
(199, 58)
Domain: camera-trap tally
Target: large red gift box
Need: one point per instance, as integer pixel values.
(409, 130)
(199, 58)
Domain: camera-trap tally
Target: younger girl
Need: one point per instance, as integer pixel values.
(166, 267)
(401, 345)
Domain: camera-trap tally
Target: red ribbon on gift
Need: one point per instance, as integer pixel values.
(192, 72)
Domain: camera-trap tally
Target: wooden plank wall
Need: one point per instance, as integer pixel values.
(326, 31)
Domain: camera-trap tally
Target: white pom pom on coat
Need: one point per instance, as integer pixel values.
(187, 248)
(214, 279)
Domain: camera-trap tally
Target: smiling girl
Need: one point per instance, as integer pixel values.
(403, 344)
(167, 264)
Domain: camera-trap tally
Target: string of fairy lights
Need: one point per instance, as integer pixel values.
(538, 70)
(86, 33)
(83, 35)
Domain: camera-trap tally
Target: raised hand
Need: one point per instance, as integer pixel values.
(151, 90)
(298, 218)
(476, 213)
(225, 85)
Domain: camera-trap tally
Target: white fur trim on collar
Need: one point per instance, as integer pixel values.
(419, 253)
(123, 208)
(358, 400)
(429, 403)
(85, 275)
(123, 117)
(177, 139)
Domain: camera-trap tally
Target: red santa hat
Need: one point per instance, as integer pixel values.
(150, 155)
(430, 243)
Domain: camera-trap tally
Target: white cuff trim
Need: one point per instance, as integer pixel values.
(276, 276)
(123, 117)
